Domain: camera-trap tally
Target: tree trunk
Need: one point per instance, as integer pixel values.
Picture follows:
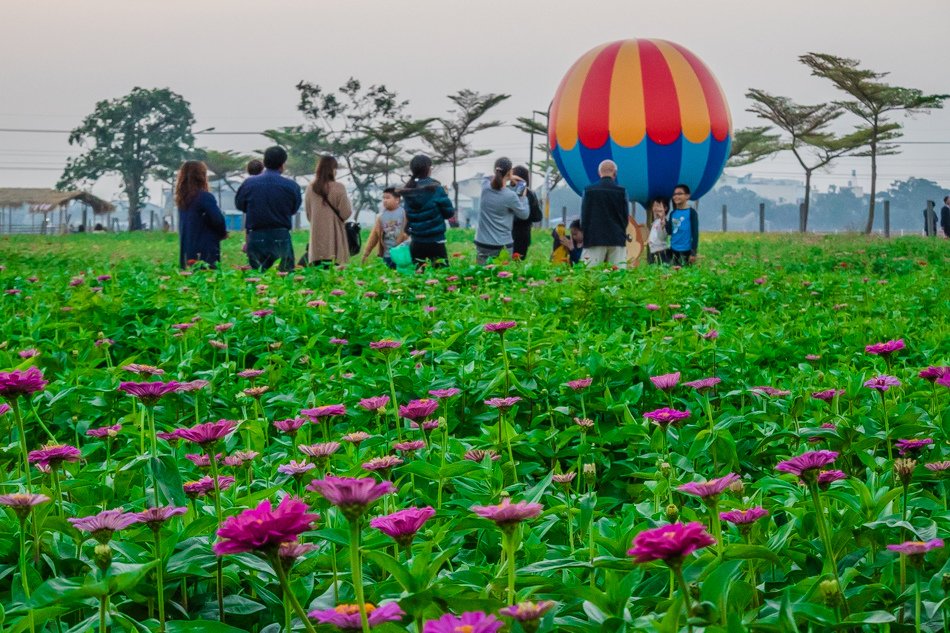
(455, 186)
(870, 225)
(803, 221)
(135, 215)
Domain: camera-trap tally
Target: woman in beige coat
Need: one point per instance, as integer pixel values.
(328, 209)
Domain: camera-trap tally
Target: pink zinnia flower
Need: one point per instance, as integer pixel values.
(409, 447)
(205, 485)
(828, 394)
(250, 373)
(350, 494)
(828, 477)
(885, 349)
(507, 514)
(289, 426)
(23, 503)
(193, 385)
(376, 403)
(652, 307)
(262, 313)
(346, 617)
(207, 433)
(149, 392)
(527, 611)
(944, 381)
(703, 384)
(938, 467)
(418, 409)
(54, 454)
(665, 416)
(580, 384)
(295, 468)
(21, 383)
(154, 517)
(321, 450)
(503, 404)
(711, 488)
(223, 327)
(882, 383)
(806, 464)
(442, 394)
(477, 455)
(385, 344)
(934, 372)
(339, 341)
(913, 447)
(29, 353)
(149, 370)
(666, 381)
(501, 327)
(293, 550)
(744, 517)
(200, 459)
(765, 390)
(427, 425)
(670, 543)
(4, 407)
(324, 411)
(711, 335)
(263, 529)
(401, 526)
(103, 525)
(469, 622)
(916, 548)
(563, 478)
(384, 464)
(356, 437)
(105, 431)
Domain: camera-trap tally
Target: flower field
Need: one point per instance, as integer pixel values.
(758, 443)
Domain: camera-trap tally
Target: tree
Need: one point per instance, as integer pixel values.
(365, 129)
(222, 166)
(806, 135)
(873, 101)
(450, 140)
(303, 148)
(752, 144)
(146, 133)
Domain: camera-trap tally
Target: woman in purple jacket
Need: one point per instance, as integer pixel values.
(200, 222)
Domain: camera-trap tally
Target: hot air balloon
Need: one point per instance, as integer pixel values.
(652, 107)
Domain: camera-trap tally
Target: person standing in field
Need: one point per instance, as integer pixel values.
(521, 229)
(201, 224)
(503, 199)
(945, 217)
(683, 227)
(269, 201)
(659, 240)
(427, 208)
(328, 209)
(389, 229)
(605, 214)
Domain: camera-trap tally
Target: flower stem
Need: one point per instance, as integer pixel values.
(570, 520)
(917, 600)
(103, 609)
(23, 568)
(392, 394)
(684, 589)
(54, 474)
(887, 428)
(289, 595)
(510, 538)
(825, 534)
(160, 579)
(217, 508)
(356, 567)
(716, 523)
(24, 452)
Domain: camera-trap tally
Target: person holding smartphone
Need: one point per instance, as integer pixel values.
(503, 199)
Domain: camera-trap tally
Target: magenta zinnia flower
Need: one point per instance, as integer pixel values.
(580, 384)
(376, 403)
(289, 426)
(916, 548)
(54, 454)
(711, 488)
(913, 447)
(149, 392)
(806, 464)
(22, 503)
(192, 385)
(765, 390)
(205, 485)
(665, 416)
(882, 383)
(503, 404)
(352, 495)
(105, 431)
(670, 543)
(103, 525)
(295, 468)
(4, 407)
(828, 477)
(324, 411)
(442, 394)
(250, 373)
(322, 450)
(385, 344)
(382, 464)
(527, 611)
(666, 381)
(885, 349)
(469, 622)
(154, 517)
(21, 383)
(138, 368)
(207, 433)
(477, 455)
(401, 526)
(934, 372)
(507, 514)
(744, 517)
(827, 394)
(499, 327)
(408, 447)
(263, 529)
(418, 409)
(703, 384)
(346, 617)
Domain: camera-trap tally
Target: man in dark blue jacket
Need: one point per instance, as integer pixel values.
(269, 201)
(604, 216)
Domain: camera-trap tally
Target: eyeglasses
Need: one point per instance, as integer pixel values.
(679, 193)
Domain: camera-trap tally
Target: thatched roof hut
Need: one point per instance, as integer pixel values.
(44, 200)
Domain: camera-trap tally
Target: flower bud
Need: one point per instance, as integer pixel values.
(831, 592)
(665, 469)
(904, 470)
(737, 487)
(103, 556)
(590, 474)
(672, 513)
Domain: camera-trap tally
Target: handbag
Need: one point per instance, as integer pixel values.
(353, 237)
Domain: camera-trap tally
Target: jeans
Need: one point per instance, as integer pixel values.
(484, 252)
(266, 246)
(433, 253)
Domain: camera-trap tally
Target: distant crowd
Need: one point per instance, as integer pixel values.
(410, 228)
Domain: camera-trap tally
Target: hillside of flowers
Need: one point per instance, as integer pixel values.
(757, 443)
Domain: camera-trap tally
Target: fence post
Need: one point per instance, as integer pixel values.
(724, 215)
(801, 217)
(887, 218)
(761, 217)
(931, 221)
(564, 216)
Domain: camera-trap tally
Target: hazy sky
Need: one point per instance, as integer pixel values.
(237, 62)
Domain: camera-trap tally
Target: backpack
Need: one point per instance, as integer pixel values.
(354, 239)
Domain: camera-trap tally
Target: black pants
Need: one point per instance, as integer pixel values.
(522, 240)
(680, 258)
(659, 257)
(428, 252)
(266, 246)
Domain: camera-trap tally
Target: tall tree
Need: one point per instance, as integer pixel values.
(303, 147)
(874, 102)
(752, 144)
(451, 139)
(364, 128)
(806, 135)
(222, 165)
(146, 133)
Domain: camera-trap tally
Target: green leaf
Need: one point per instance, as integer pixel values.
(200, 626)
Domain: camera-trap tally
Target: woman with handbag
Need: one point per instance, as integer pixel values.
(328, 209)
(201, 224)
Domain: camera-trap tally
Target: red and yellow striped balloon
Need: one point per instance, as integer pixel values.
(649, 105)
